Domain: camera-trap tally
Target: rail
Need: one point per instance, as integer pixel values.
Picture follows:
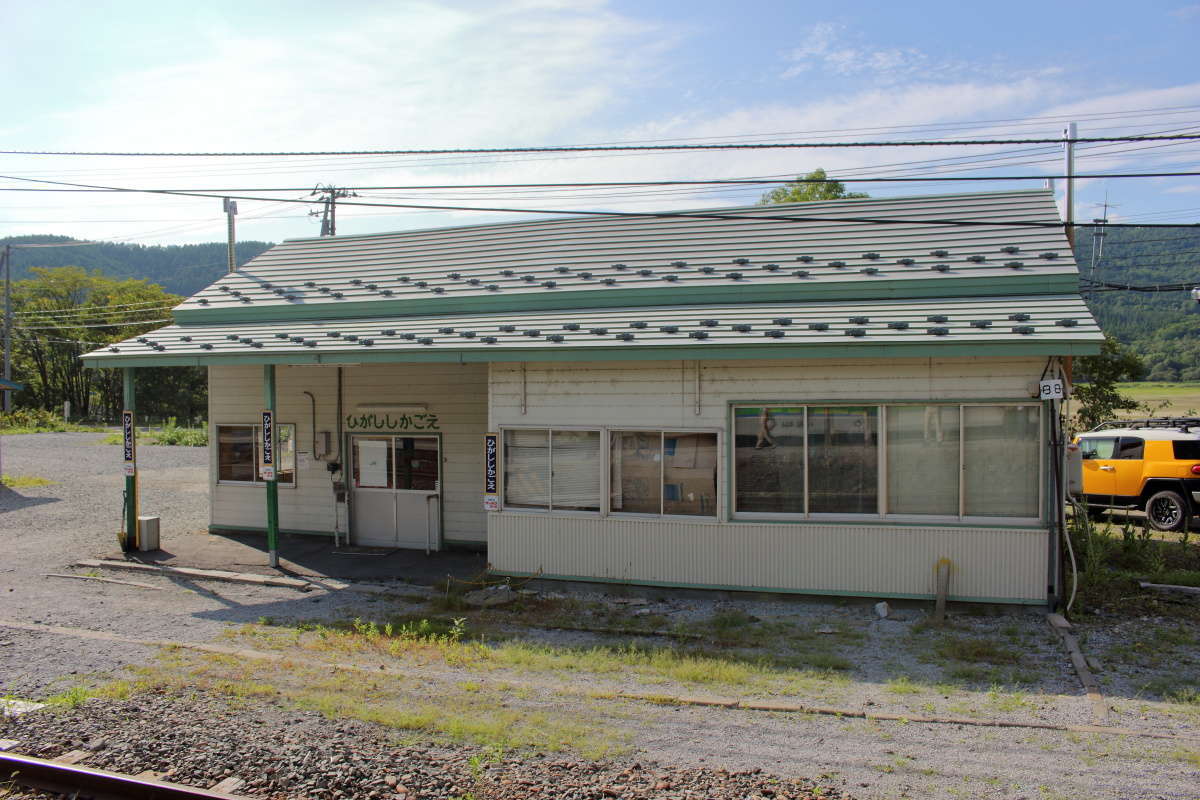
(72, 780)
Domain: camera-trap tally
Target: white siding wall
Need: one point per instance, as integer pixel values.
(456, 393)
(854, 558)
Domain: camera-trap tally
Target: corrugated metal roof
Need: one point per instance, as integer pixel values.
(1063, 320)
(655, 256)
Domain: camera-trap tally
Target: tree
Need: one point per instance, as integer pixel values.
(64, 312)
(812, 187)
(1097, 378)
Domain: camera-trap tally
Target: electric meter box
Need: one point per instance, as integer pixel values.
(1073, 468)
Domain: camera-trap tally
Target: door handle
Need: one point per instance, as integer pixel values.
(1109, 469)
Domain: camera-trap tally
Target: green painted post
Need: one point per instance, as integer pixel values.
(272, 484)
(130, 542)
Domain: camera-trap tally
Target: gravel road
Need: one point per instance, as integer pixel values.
(46, 529)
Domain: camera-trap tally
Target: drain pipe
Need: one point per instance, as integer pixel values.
(313, 427)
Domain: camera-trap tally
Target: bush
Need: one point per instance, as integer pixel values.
(172, 434)
(37, 420)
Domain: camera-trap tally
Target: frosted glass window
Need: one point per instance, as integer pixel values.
(769, 459)
(690, 474)
(1001, 464)
(843, 459)
(527, 469)
(922, 459)
(576, 460)
(373, 462)
(636, 463)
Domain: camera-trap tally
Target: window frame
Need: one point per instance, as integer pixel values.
(719, 514)
(961, 518)
(256, 436)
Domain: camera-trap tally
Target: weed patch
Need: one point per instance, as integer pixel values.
(25, 481)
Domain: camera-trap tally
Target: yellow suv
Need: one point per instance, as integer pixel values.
(1151, 464)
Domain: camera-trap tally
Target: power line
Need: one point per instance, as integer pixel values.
(608, 148)
(97, 325)
(633, 214)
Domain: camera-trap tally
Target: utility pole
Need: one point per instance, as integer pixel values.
(1070, 135)
(230, 213)
(8, 323)
(330, 195)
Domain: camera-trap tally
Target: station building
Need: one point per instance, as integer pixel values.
(824, 398)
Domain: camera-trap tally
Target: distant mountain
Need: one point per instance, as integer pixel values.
(1162, 328)
(179, 268)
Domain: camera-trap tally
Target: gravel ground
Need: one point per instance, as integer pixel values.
(45, 529)
(272, 749)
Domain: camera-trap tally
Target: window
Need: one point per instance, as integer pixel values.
(1130, 448)
(663, 473)
(1091, 449)
(552, 470)
(1001, 460)
(1186, 450)
(925, 460)
(239, 454)
(769, 459)
(843, 460)
(922, 459)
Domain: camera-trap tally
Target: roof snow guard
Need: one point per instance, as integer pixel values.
(908, 272)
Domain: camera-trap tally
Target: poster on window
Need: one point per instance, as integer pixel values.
(491, 489)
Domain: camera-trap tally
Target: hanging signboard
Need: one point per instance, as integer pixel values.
(268, 446)
(1050, 390)
(491, 489)
(127, 428)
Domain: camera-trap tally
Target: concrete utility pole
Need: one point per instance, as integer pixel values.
(330, 195)
(8, 323)
(230, 213)
(1070, 135)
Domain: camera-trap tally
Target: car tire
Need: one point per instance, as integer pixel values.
(1168, 511)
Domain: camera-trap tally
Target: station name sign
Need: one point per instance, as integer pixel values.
(392, 422)
(491, 493)
(268, 446)
(130, 435)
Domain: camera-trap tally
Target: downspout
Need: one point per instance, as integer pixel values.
(313, 427)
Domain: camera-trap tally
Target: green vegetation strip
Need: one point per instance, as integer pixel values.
(281, 658)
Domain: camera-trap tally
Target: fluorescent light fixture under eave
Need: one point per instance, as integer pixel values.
(392, 407)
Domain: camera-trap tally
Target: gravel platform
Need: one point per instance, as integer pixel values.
(280, 753)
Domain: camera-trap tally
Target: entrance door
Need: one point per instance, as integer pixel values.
(397, 481)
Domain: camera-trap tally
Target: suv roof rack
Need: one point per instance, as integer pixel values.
(1182, 424)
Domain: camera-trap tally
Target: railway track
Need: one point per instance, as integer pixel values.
(64, 777)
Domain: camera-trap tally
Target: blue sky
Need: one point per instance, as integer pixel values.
(276, 76)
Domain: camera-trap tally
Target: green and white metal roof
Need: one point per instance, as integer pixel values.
(481, 292)
(1041, 324)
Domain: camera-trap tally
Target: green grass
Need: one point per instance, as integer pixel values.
(25, 481)
(1166, 399)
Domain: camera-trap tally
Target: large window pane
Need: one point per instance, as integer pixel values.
(527, 469)
(235, 453)
(922, 454)
(769, 459)
(577, 460)
(416, 463)
(690, 474)
(636, 472)
(843, 459)
(1001, 460)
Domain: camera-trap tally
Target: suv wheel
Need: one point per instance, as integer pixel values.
(1167, 511)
